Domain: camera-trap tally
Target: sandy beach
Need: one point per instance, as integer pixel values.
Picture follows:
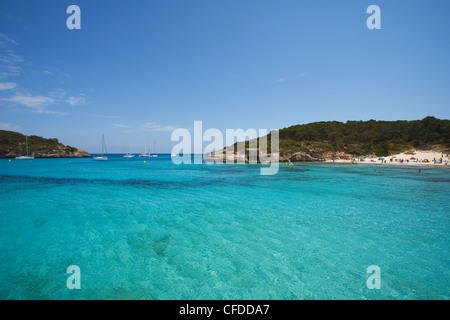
(413, 158)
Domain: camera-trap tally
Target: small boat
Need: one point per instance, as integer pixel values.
(104, 151)
(145, 154)
(101, 158)
(27, 157)
(154, 150)
(129, 155)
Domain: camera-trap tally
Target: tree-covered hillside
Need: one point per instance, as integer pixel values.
(333, 139)
(13, 144)
(366, 137)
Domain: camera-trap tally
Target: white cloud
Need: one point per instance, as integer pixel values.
(7, 85)
(10, 71)
(4, 38)
(30, 101)
(151, 126)
(290, 78)
(9, 126)
(146, 127)
(38, 104)
(58, 94)
(120, 125)
(11, 58)
(13, 65)
(106, 117)
(63, 96)
(76, 101)
(10, 64)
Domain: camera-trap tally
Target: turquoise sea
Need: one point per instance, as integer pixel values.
(156, 230)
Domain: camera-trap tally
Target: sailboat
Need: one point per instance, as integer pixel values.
(27, 157)
(145, 154)
(129, 155)
(104, 151)
(154, 150)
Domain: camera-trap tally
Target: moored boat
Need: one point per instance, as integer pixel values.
(103, 157)
(27, 157)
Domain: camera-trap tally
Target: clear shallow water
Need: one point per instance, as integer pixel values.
(161, 231)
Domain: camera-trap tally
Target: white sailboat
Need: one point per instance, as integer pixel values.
(27, 157)
(104, 151)
(154, 150)
(145, 154)
(129, 155)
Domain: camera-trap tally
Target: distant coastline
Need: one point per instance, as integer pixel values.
(79, 153)
(422, 158)
(337, 141)
(12, 144)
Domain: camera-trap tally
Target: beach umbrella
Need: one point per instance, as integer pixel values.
(381, 159)
(412, 158)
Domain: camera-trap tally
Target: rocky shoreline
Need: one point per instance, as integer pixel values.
(283, 157)
(52, 154)
(412, 157)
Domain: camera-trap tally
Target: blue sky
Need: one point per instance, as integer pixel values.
(139, 69)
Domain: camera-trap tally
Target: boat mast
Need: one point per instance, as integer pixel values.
(103, 145)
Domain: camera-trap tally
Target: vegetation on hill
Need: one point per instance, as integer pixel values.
(359, 138)
(13, 144)
(367, 137)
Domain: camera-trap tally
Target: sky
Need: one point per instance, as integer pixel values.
(138, 69)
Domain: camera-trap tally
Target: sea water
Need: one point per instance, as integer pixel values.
(156, 230)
